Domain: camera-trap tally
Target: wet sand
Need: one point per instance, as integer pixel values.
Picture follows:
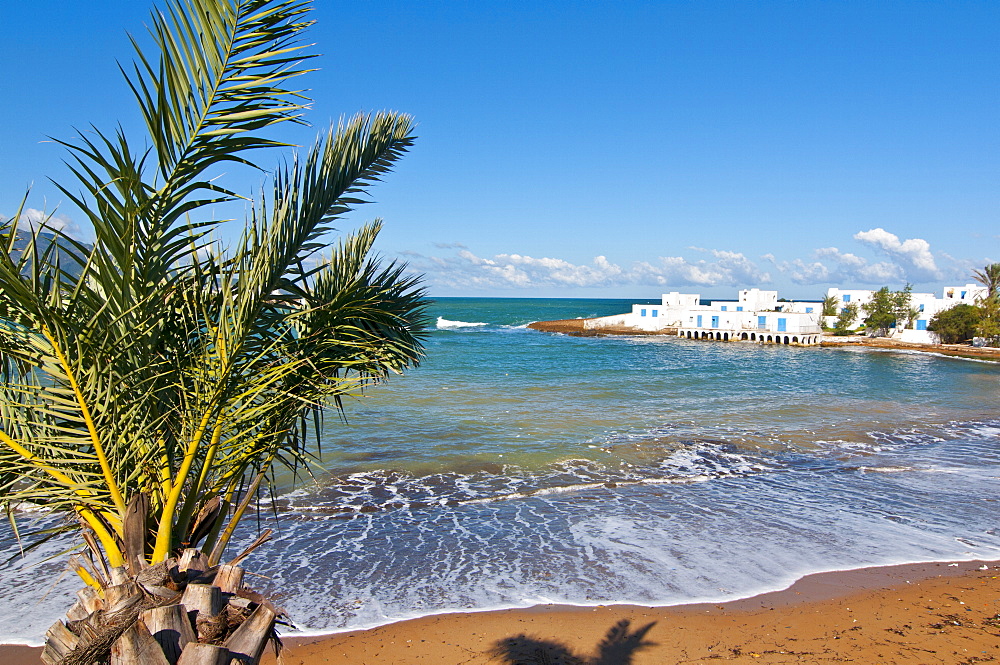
(914, 613)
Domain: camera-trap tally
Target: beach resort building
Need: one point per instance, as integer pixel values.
(760, 316)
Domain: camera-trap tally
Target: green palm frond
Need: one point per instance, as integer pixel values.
(142, 366)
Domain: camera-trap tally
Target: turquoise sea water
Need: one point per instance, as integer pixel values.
(515, 467)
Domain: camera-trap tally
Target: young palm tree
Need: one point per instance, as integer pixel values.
(989, 305)
(989, 277)
(830, 304)
(152, 382)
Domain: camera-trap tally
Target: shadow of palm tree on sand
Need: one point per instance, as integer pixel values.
(617, 648)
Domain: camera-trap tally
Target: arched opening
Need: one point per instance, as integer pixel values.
(769, 338)
(786, 339)
(743, 336)
(795, 340)
(725, 337)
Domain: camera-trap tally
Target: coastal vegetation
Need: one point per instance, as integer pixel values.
(956, 324)
(830, 303)
(963, 322)
(888, 309)
(845, 319)
(152, 382)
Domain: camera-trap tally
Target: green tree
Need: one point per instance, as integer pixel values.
(886, 309)
(989, 305)
(150, 384)
(956, 324)
(830, 305)
(845, 319)
(989, 277)
(902, 309)
(879, 312)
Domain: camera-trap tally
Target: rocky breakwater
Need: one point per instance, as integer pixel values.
(593, 328)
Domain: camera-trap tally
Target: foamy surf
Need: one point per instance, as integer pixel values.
(445, 324)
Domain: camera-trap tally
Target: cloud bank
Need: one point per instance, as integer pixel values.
(893, 261)
(464, 269)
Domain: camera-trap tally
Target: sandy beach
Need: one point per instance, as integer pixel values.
(915, 613)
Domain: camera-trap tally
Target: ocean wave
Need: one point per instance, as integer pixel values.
(381, 490)
(445, 324)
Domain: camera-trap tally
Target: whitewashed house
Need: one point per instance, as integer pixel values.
(755, 316)
(926, 305)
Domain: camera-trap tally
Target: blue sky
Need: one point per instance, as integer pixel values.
(609, 149)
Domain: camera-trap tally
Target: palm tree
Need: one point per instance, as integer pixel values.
(989, 305)
(152, 382)
(989, 277)
(830, 304)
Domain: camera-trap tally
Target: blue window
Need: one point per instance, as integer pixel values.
(809, 310)
(656, 313)
(921, 308)
(921, 324)
(781, 325)
(761, 322)
(699, 320)
(963, 294)
(642, 312)
(715, 322)
(847, 297)
(739, 309)
(723, 308)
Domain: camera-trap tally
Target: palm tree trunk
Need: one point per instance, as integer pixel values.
(179, 612)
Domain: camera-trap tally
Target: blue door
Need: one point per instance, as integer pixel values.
(699, 320)
(715, 322)
(781, 325)
(921, 324)
(761, 323)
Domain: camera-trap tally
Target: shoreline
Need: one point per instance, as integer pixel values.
(884, 614)
(887, 614)
(576, 328)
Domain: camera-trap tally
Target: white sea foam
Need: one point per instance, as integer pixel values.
(444, 324)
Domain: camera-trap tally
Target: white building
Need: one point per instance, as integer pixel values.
(759, 316)
(926, 305)
(755, 316)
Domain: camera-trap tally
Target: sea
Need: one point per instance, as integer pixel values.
(514, 468)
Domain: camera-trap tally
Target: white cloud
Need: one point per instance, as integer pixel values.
(903, 261)
(913, 255)
(883, 259)
(31, 218)
(465, 269)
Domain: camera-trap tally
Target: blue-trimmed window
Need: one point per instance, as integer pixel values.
(921, 324)
(809, 310)
(723, 308)
(921, 308)
(739, 309)
(656, 313)
(642, 312)
(847, 297)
